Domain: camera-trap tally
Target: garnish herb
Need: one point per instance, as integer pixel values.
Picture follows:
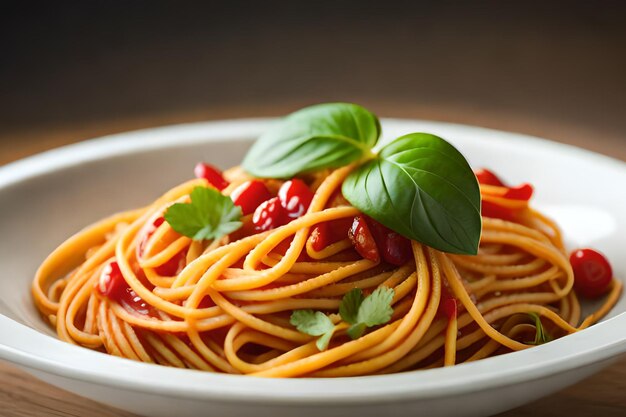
(314, 323)
(317, 137)
(418, 185)
(361, 312)
(209, 215)
(541, 336)
(421, 187)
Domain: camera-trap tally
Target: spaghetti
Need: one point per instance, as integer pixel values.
(223, 305)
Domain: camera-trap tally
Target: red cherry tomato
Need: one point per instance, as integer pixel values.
(521, 192)
(211, 174)
(149, 232)
(295, 196)
(394, 248)
(327, 233)
(448, 304)
(131, 301)
(111, 283)
(495, 211)
(491, 209)
(206, 302)
(363, 240)
(173, 266)
(487, 177)
(269, 215)
(320, 236)
(592, 272)
(113, 286)
(250, 195)
(158, 222)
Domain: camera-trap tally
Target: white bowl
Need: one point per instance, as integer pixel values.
(46, 198)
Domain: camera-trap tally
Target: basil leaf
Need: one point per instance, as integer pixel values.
(317, 137)
(423, 188)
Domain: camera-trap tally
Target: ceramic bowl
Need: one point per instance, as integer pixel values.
(46, 198)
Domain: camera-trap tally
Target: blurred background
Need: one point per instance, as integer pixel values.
(74, 70)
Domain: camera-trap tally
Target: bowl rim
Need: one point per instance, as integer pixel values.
(22, 345)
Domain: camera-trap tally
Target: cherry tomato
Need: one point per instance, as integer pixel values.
(592, 272)
(206, 302)
(131, 301)
(448, 304)
(172, 266)
(491, 209)
(363, 240)
(211, 174)
(487, 177)
(394, 248)
(495, 211)
(521, 192)
(269, 215)
(327, 233)
(295, 196)
(113, 286)
(149, 232)
(449, 307)
(111, 283)
(250, 195)
(320, 236)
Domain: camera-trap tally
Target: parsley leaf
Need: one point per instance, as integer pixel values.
(361, 312)
(541, 336)
(366, 312)
(356, 330)
(350, 303)
(376, 308)
(210, 215)
(314, 323)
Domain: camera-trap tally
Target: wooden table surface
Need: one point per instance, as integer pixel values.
(22, 395)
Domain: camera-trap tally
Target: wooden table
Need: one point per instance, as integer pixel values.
(22, 395)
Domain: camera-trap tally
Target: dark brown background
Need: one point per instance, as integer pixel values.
(101, 66)
(74, 70)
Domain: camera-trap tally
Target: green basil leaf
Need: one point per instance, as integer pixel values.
(423, 188)
(322, 136)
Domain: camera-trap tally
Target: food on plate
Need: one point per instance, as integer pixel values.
(320, 257)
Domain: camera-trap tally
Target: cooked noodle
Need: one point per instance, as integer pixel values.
(228, 309)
